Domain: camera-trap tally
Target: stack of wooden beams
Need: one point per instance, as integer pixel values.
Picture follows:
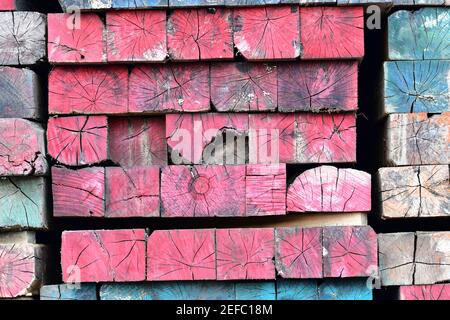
(200, 112)
(417, 140)
(23, 164)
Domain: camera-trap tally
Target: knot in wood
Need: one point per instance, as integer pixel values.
(200, 185)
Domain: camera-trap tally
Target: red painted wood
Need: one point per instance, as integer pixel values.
(425, 292)
(272, 138)
(103, 255)
(332, 32)
(76, 38)
(298, 252)
(349, 251)
(88, 90)
(329, 189)
(316, 86)
(19, 269)
(265, 189)
(78, 140)
(181, 255)
(78, 193)
(189, 135)
(166, 88)
(203, 191)
(132, 192)
(245, 254)
(267, 33)
(136, 35)
(137, 141)
(200, 34)
(326, 138)
(8, 5)
(243, 86)
(22, 148)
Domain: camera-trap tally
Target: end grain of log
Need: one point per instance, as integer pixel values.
(78, 193)
(136, 36)
(318, 86)
(137, 141)
(132, 192)
(425, 292)
(181, 255)
(414, 191)
(203, 191)
(21, 94)
(22, 38)
(88, 90)
(416, 138)
(332, 33)
(349, 252)
(267, 33)
(69, 292)
(76, 141)
(329, 189)
(245, 254)
(200, 34)
(103, 256)
(22, 148)
(76, 39)
(297, 289)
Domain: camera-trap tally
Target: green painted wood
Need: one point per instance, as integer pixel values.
(85, 291)
(23, 203)
(417, 86)
(345, 289)
(419, 35)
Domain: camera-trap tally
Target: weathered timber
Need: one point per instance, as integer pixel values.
(71, 5)
(22, 148)
(325, 138)
(318, 86)
(414, 191)
(18, 237)
(345, 289)
(76, 141)
(136, 36)
(332, 33)
(6, 5)
(349, 252)
(21, 94)
(169, 88)
(396, 254)
(175, 290)
(245, 254)
(298, 252)
(419, 35)
(203, 191)
(255, 290)
(76, 38)
(88, 90)
(361, 2)
(243, 86)
(78, 193)
(416, 138)
(23, 203)
(329, 189)
(432, 257)
(267, 33)
(195, 3)
(103, 255)
(419, 2)
(265, 190)
(253, 3)
(22, 38)
(137, 141)
(132, 192)
(209, 138)
(22, 269)
(181, 255)
(417, 86)
(85, 291)
(425, 292)
(297, 290)
(200, 34)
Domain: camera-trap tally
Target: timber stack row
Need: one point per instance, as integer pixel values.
(414, 184)
(220, 110)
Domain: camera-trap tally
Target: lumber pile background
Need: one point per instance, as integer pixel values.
(224, 150)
